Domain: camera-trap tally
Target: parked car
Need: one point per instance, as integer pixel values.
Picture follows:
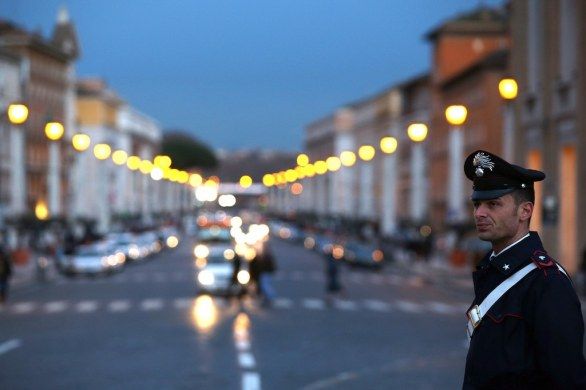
(93, 259)
(169, 237)
(126, 243)
(363, 254)
(215, 267)
(148, 243)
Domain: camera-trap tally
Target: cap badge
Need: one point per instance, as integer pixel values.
(481, 161)
(506, 267)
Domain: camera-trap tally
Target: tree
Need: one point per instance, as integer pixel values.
(186, 151)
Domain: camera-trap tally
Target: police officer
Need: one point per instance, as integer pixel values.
(525, 323)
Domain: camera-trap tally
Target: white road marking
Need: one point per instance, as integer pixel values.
(345, 305)
(23, 307)
(151, 304)
(409, 307)
(442, 308)
(9, 345)
(55, 307)
(246, 360)
(242, 345)
(86, 306)
(183, 303)
(314, 304)
(251, 381)
(376, 305)
(283, 303)
(119, 306)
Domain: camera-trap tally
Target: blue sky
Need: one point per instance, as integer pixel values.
(248, 73)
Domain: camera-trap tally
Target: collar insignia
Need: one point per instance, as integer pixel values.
(506, 267)
(481, 161)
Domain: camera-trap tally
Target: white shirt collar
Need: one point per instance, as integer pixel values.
(493, 255)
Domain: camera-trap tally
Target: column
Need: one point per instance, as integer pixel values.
(18, 178)
(53, 182)
(417, 195)
(456, 175)
(389, 210)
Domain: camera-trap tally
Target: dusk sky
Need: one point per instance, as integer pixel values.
(245, 74)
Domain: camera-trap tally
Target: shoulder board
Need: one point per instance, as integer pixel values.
(542, 259)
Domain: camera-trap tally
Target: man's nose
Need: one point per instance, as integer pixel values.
(480, 211)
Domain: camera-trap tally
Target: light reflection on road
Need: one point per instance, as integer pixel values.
(204, 314)
(241, 329)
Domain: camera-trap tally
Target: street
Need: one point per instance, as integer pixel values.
(145, 328)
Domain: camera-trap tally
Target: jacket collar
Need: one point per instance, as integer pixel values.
(511, 260)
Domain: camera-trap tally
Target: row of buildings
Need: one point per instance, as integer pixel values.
(36, 172)
(542, 46)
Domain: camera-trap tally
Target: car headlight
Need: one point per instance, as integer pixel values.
(243, 277)
(201, 251)
(172, 241)
(205, 278)
(133, 252)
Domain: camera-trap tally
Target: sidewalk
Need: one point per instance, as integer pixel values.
(30, 273)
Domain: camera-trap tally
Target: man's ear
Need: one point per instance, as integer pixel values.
(525, 211)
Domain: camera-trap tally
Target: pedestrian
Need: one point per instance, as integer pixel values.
(5, 273)
(332, 271)
(266, 268)
(234, 283)
(525, 323)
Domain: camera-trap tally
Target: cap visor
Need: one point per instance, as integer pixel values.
(492, 194)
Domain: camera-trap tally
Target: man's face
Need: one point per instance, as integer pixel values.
(498, 220)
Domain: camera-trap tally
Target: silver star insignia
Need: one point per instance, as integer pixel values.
(506, 267)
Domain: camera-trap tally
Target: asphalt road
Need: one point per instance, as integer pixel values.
(145, 328)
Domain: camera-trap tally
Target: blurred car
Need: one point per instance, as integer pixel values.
(285, 231)
(169, 237)
(215, 267)
(363, 254)
(148, 243)
(214, 234)
(126, 243)
(92, 259)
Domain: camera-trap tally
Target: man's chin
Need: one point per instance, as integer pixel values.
(484, 236)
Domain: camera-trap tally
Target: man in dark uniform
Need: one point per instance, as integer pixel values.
(531, 336)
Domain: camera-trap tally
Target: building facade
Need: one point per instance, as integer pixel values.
(12, 148)
(48, 66)
(548, 59)
(458, 46)
(104, 190)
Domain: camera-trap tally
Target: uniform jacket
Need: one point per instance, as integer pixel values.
(531, 338)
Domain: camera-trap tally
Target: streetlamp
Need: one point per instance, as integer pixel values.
(417, 133)
(54, 131)
(508, 90)
(388, 146)
(456, 116)
(17, 113)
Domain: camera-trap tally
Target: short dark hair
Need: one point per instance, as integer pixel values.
(524, 195)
